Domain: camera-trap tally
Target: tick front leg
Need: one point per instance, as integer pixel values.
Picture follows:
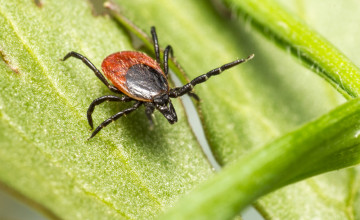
(179, 91)
(168, 50)
(115, 117)
(192, 94)
(102, 99)
(156, 44)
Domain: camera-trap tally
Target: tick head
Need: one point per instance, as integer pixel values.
(164, 105)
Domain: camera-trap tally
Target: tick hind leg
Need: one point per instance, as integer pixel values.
(102, 99)
(115, 117)
(93, 68)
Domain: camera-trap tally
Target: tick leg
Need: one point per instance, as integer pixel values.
(156, 44)
(149, 111)
(115, 117)
(192, 94)
(102, 99)
(93, 68)
(179, 91)
(166, 58)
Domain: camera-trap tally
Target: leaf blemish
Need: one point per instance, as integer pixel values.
(38, 3)
(3, 57)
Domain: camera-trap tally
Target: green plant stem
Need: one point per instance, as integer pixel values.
(312, 49)
(329, 143)
(148, 43)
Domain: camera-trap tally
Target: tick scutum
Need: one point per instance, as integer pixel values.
(145, 82)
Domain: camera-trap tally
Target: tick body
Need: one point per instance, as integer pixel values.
(136, 75)
(141, 79)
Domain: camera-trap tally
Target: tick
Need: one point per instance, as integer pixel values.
(140, 78)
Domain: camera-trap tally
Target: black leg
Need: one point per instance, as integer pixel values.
(156, 44)
(102, 99)
(192, 94)
(166, 58)
(115, 117)
(93, 68)
(149, 111)
(179, 91)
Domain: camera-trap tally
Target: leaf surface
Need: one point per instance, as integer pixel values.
(329, 143)
(130, 171)
(126, 171)
(275, 95)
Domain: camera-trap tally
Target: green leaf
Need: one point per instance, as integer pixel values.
(331, 142)
(272, 94)
(331, 196)
(246, 106)
(334, 195)
(126, 171)
(303, 42)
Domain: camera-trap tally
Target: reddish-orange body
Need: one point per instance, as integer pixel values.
(116, 66)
